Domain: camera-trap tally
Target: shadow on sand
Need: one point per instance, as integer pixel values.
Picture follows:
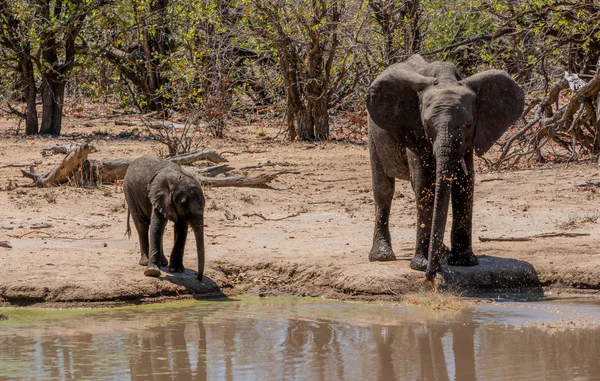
(504, 277)
(188, 279)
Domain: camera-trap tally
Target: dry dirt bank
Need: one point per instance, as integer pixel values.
(313, 239)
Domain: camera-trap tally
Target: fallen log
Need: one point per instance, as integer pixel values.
(215, 170)
(63, 149)
(241, 181)
(192, 157)
(61, 173)
(150, 124)
(106, 171)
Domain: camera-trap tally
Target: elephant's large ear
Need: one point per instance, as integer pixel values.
(393, 100)
(499, 103)
(160, 193)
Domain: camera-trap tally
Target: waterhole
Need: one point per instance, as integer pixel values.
(304, 339)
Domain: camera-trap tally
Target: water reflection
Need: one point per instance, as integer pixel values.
(297, 341)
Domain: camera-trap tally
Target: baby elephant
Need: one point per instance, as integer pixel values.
(156, 191)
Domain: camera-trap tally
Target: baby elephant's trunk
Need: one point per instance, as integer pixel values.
(199, 233)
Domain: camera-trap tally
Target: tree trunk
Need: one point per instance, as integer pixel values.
(52, 105)
(30, 92)
(321, 119)
(305, 125)
(597, 137)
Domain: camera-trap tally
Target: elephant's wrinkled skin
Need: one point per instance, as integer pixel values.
(156, 191)
(424, 124)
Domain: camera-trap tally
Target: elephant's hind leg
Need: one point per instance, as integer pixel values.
(383, 192)
(462, 211)
(157, 229)
(142, 230)
(181, 230)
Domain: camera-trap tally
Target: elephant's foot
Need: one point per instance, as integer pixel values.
(143, 261)
(163, 260)
(419, 262)
(176, 269)
(381, 252)
(153, 270)
(465, 258)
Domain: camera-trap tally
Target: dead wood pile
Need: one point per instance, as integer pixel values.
(76, 168)
(563, 123)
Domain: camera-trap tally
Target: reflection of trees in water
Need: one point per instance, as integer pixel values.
(230, 345)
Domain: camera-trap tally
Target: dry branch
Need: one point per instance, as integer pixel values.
(260, 215)
(22, 165)
(572, 126)
(28, 233)
(215, 170)
(337, 180)
(150, 124)
(61, 173)
(267, 164)
(189, 158)
(531, 237)
(63, 149)
(241, 181)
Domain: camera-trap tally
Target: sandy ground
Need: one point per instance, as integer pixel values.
(314, 239)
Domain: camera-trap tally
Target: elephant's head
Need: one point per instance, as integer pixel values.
(435, 114)
(178, 196)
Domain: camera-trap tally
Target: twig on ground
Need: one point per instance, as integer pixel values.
(28, 233)
(492, 179)
(267, 164)
(41, 226)
(5, 244)
(217, 235)
(531, 237)
(17, 165)
(269, 219)
(337, 180)
(77, 239)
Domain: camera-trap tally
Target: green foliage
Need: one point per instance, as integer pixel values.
(220, 58)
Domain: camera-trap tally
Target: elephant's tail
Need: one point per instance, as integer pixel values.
(128, 230)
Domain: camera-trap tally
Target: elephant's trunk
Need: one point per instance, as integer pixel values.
(199, 234)
(447, 160)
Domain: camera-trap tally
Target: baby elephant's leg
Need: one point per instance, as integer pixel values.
(157, 229)
(181, 230)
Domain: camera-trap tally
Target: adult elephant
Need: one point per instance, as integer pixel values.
(424, 125)
(158, 191)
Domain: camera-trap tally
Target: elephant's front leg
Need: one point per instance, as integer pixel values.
(422, 170)
(383, 193)
(462, 211)
(157, 229)
(181, 230)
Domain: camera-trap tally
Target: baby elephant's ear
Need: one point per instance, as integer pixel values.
(499, 103)
(160, 192)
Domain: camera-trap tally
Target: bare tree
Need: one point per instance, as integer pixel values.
(305, 35)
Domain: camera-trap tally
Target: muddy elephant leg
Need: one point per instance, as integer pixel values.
(422, 172)
(462, 211)
(383, 193)
(157, 229)
(181, 230)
